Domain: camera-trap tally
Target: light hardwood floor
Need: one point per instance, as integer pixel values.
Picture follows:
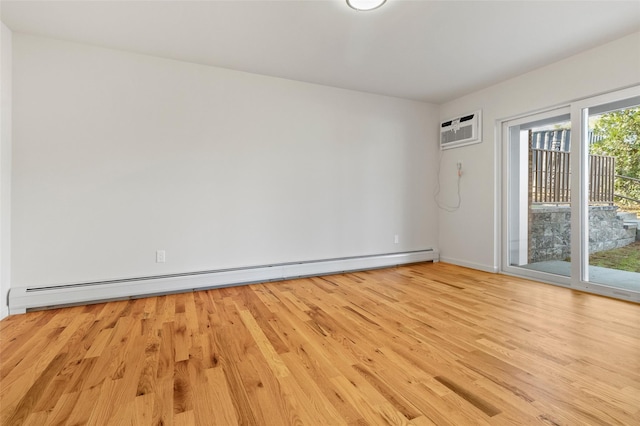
(421, 344)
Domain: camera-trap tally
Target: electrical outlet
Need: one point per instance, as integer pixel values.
(161, 256)
(396, 239)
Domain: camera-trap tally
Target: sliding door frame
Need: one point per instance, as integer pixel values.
(579, 207)
(579, 115)
(507, 168)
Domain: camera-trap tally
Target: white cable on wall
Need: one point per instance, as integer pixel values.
(436, 194)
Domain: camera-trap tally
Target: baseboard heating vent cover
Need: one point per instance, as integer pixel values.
(23, 298)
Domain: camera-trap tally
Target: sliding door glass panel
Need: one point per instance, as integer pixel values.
(612, 141)
(538, 194)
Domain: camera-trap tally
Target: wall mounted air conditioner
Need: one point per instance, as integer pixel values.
(460, 131)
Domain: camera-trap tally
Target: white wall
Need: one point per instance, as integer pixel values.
(468, 236)
(117, 155)
(5, 166)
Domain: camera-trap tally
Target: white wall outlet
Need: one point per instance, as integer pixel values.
(161, 256)
(396, 239)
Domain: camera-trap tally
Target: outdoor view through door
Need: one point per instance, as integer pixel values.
(572, 211)
(614, 169)
(540, 195)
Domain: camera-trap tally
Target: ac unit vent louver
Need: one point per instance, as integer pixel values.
(461, 131)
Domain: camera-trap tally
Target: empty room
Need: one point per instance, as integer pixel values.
(319, 212)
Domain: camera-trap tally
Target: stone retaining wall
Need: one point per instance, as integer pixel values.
(550, 232)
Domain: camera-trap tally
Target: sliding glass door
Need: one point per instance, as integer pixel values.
(538, 194)
(610, 140)
(571, 195)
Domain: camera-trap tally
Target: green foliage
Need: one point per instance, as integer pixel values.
(620, 131)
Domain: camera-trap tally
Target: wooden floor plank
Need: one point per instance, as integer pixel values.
(422, 344)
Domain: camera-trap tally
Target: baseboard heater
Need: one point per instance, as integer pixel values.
(23, 298)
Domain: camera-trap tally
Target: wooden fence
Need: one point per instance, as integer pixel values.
(602, 174)
(550, 173)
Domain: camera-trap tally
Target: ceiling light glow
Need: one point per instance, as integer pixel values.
(365, 4)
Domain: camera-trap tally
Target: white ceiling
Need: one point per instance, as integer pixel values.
(427, 50)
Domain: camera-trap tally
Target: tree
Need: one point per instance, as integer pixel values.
(620, 137)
